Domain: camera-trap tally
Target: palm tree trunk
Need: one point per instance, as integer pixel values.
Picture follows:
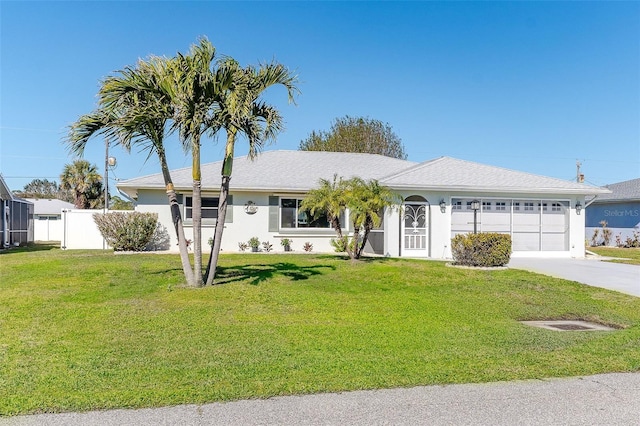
(217, 236)
(227, 166)
(196, 210)
(176, 218)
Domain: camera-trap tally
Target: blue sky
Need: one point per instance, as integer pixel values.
(530, 86)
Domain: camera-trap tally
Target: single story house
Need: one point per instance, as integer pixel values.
(16, 224)
(620, 209)
(542, 214)
(47, 214)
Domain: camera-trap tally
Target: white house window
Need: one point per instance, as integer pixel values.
(209, 208)
(556, 207)
(543, 206)
(486, 205)
(456, 205)
(468, 205)
(500, 205)
(516, 206)
(528, 207)
(293, 216)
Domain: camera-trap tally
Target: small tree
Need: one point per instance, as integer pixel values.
(366, 201)
(356, 134)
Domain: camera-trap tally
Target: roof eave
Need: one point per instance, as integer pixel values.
(503, 190)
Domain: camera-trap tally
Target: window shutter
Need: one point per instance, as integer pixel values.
(229, 217)
(273, 213)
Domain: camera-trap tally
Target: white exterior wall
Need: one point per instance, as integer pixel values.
(440, 225)
(47, 229)
(244, 225)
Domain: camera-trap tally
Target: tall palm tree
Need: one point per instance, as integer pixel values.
(194, 91)
(133, 111)
(83, 180)
(240, 111)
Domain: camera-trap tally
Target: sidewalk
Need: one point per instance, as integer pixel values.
(606, 399)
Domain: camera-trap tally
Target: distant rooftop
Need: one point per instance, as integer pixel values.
(628, 190)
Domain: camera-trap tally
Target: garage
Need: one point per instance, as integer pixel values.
(534, 225)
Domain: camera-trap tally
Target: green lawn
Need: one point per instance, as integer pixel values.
(84, 330)
(623, 255)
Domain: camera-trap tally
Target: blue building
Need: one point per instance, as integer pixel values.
(620, 210)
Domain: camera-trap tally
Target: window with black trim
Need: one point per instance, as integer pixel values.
(293, 216)
(209, 207)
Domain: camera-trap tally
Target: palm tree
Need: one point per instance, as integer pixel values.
(329, 199)
(240, 111)
(366, 202)
(133, 111)
(194, 92)
(83, 180)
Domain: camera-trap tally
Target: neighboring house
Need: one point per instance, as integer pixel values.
(47, 214)
(620, 209)
(16, 224)
(542, 214)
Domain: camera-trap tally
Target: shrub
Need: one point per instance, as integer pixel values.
(483, 249)
(340, 244)
(242, 246)
(307, 247)
(267, 246)
(127, 231)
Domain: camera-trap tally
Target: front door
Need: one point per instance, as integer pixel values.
(415, 229)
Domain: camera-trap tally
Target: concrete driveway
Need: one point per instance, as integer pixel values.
(591, 271)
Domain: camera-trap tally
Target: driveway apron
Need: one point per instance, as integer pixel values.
(594, 272)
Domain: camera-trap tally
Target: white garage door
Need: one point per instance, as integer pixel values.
(534, 225)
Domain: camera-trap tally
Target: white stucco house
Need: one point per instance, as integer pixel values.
(47, 215)
(542, 214)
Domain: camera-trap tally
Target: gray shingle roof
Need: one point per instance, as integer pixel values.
(299, 171)
(628, 190)
(280, 171)
(49, 206)
(447, 173)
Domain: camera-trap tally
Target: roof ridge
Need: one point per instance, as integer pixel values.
(412, 168)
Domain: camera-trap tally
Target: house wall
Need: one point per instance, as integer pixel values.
(241, 227)
(440, 227)
(623, 219)
(47, 227)
(245, 225)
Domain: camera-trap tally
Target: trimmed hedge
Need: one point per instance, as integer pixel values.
(483, 249)
(127, 231)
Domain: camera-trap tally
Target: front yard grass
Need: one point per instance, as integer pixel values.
(630, 256)
(82, 330)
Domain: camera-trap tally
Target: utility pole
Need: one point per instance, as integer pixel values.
(106, 174)
(579, 176)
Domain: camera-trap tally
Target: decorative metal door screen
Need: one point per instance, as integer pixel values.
(415, 227)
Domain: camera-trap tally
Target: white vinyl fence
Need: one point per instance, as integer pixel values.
(79, 231)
